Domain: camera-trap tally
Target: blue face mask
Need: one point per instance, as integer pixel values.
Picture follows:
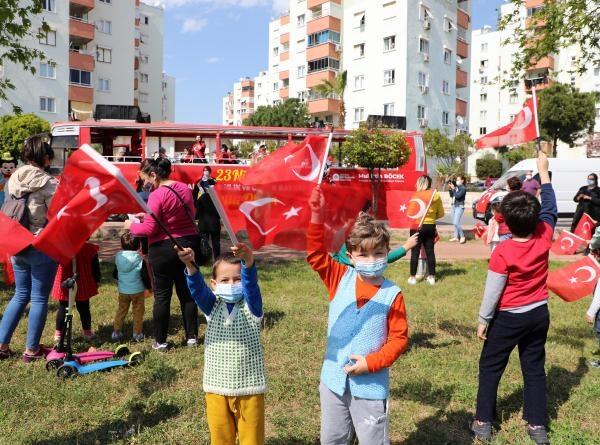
(230, 293)
(371, 269)
(591, 182)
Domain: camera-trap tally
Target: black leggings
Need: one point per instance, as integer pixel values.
(426, 239)
(168, 270)
(83, 307)
(215, 239)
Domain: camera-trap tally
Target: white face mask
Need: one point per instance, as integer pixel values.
(459, 182)
(230, 292)
(528, 177)
(205, 175)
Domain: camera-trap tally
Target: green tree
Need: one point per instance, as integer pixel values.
(374, 150)
(488, 167)
(520, 153)
(15, 30)
(556, 25)
(14, 129)
(289, 113)
(566, 114)
(449, 153)
(334, 88)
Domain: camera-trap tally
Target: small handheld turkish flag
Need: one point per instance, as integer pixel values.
(407, 208)
(567, 243)
(585, 227)
(13, 236)
(479, 230)
(576, 280)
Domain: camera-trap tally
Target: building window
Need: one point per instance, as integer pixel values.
(445, 118)
(449, 25)
(534, 10)
(360, 20)
(47, 70)
(483, 97)
(482, 131)
(483, 80)
(389, 77)
(513, 98)
(388, 109)
(359, 114)
(423, 45)
(275, 86)
(483, 64)
(48, 37)
(106, 1)
(389, 43)
(301, 45)
(484, 47)
(103, 55)
(323, 64)
(424, 13)
(103, 85)
(301, 20)
(48, 104)
(146, 20)
(573, 79)
(301, 71)
(445, 87)
(144, 58)
(79, 77)
(104, 26)
(483, 114)
(421, 112)
(49, 5)
(276, 51)
(597, 71)
(144, 38)
(143, 97)
(359, 82)
(143, 77)
(423, 79)
(359, 50)
(323, 37)
(447, 56)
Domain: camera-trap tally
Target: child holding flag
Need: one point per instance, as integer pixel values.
(514, 311)
(364, 342)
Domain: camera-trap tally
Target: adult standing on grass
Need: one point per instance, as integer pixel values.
(588, 200)
(34, 270)
(209, 222)
(427, 233)
(458, 192)
(172, 203)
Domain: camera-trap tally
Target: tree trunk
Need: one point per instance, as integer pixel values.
(373, 189)
(342, 123)
(554, 147)
(377, 186)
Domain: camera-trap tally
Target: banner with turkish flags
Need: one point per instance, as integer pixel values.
(585, 227)
(13, 237)
(576, 280)
(407, 208)
(567, 243)
(90, 189)
(522, 129)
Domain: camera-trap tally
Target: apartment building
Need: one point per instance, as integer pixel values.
(493, 103)
(406, 61)
(98, 52)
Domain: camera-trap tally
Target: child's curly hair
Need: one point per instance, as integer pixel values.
(367, 234)
(595, 253)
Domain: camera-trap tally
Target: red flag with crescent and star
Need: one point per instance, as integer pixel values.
(407, 208)
(567, 243)
(585, 227)
(90, 190)
(522, 129)
(576, 280)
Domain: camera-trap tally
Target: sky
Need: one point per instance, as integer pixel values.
(210, 44)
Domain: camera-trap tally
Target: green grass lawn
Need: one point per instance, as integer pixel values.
(433, 385)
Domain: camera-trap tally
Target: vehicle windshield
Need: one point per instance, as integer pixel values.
(501, 182)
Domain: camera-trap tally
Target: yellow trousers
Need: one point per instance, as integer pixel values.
(243, 416)
(138, 306)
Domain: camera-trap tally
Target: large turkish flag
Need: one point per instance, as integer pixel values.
(407, 208)
(522, 129)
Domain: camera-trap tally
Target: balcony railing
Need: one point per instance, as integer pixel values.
(315, 95)
(316, 14)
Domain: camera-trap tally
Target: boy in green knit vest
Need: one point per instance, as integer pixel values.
(234, 370)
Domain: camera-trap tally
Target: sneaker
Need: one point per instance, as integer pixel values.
(538, 434)
(463, 240)
(412, 280)
(594, 363)
(482, 431)
(138, 337)
(192, 342)
(89, 335)
(39, 355)
(431, 280)
(116, 336)
(6, 353)
(453, 240)
(160, 347)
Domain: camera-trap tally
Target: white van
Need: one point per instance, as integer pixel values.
(568, 175)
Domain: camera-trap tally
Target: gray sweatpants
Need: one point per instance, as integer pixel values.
(343, 416)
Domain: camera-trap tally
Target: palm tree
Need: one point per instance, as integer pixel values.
(337, 87)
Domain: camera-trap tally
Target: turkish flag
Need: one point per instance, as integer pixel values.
(522, 129)
(479, 230)
(90, 189)
(406, 208)
(585, 227)
(567, 243)
(13, 236)
(576, 280)
(290, 163)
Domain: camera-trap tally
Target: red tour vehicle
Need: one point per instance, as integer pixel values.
(126, 143)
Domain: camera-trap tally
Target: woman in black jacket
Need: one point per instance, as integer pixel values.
(588, 201)
(209, 222)
(458, 192)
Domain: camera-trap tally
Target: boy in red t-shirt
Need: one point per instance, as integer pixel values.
(514, 310)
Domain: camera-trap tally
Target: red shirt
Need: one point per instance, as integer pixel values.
(526, 266)
(199, 149)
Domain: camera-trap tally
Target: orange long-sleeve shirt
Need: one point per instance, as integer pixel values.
(331, 272)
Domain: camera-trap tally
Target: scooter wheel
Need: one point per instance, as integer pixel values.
(54, 364)
(66, 371)
(122, 351)
(135, 359)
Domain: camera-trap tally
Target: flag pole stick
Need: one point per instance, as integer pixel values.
(537, 125)
(325, 156)
(427, 209)
(221, 210)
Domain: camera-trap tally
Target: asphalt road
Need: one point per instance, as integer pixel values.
(468, 221)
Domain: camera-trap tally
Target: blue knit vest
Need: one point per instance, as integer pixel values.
(357, 331)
